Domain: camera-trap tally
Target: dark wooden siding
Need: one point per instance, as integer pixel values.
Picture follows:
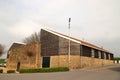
(86, 51)
(102, 55)
(96, 53)
(75, 48)
(52, 44)
(63, 47)
(107, 55)
(111, 56)
(49, 43)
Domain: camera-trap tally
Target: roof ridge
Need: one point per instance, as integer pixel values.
(77, 40)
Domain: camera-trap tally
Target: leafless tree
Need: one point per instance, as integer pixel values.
(34, 38)
(1, 49)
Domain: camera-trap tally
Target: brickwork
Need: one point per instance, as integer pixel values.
(62, 61)
(58, 61)
(19, 54)
(54, 61)
(75, 62)
(87, 62)
(95, 62)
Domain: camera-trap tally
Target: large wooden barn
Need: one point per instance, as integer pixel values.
(53, 52)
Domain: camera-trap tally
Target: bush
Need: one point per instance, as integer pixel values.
(1, 71)
(2, 61)
(42, 70)
(57, 69)
(117, 58)
(29, 70)
(11, 71)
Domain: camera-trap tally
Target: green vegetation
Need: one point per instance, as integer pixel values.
(117, 58)
(11, 71)
(2, 61)
(57, 69)
(1, 71)
(43, 70)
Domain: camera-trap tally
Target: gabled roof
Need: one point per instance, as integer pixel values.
(76, 40)
(15, 45)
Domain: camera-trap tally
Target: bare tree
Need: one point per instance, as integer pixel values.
(34, 38)
(1, 49)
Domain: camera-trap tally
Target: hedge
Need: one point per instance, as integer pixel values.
(1, 71)
(117, 58)
(2, 61)
(11, 71)
(43, 70)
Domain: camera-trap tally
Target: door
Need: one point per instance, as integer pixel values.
(46, 62)
(18, 66)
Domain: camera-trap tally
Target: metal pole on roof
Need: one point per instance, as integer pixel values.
(69, 44)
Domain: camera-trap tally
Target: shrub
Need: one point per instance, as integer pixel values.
(29, 70)
(11, 71)
(56, 69)
(1, 71)
(43, 70)
(117, 58)
(2, 61)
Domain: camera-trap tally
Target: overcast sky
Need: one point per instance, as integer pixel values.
(94, 21)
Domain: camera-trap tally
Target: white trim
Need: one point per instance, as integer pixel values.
(61, 35)
(20, 43)
(74, 40)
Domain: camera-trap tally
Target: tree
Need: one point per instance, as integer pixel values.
(34, 38)
(1, 50)
(117, 58)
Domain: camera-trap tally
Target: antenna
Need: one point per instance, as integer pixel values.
(69, 43)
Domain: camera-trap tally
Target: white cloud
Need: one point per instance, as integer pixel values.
(91, 19)
(24, 28)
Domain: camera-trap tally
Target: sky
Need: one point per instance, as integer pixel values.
(94, 21)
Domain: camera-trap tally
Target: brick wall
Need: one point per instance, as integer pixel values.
(95, 62)
(62, 61)
(87, 62)
(20, 55)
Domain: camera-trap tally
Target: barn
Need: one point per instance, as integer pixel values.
(59, 50)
